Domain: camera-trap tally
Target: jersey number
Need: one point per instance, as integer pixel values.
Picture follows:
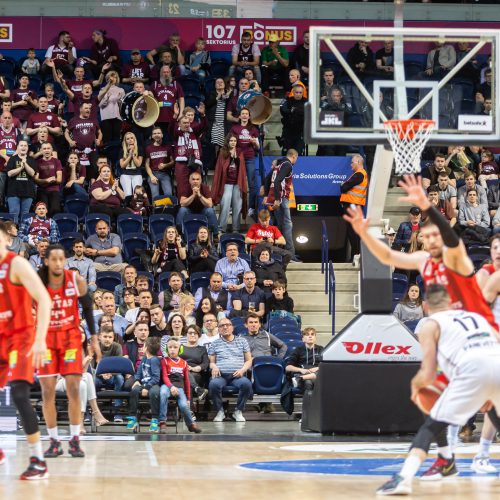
(467, 319)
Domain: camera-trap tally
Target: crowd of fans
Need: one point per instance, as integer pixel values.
(63, 140)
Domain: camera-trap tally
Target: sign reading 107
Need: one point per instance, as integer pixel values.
(220, 31)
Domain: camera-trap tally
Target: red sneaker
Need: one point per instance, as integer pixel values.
(441, 468)
(35, 471)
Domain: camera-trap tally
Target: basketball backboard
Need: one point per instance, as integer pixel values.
(449, 96)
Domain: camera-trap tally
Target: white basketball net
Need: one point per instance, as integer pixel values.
(408, 139)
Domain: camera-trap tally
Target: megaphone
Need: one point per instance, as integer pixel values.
(143, 110)
(259, 105)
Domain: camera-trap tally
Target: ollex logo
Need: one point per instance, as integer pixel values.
(375, 348)
(331, 120)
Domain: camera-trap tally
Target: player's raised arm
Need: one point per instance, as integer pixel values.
(454, 254)
(492, 288)
(24, 274)
(410, 261)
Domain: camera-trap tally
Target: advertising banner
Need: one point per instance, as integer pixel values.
(317, 175)
(147, 33)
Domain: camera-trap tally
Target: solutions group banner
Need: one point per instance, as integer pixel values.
(147, 33)
(317, 175)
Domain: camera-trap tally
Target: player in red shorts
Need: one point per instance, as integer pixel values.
(445, 262)
(64, 346)
(22, 345)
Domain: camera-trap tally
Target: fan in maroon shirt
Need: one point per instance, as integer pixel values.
(83, 134)
(168, 93)
(43, 118)
(137, 70)
(23, 100)
(48, 177)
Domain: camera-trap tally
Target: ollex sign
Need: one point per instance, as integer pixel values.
(374, 337)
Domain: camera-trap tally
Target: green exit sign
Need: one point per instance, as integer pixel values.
(307, 207)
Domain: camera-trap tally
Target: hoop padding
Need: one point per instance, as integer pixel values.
(408, 139)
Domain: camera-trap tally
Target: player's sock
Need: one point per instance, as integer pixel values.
(453, 431)
(484, 447)
(445, 452)
(410, 467)
(74, 430)
(53, 433)
(36, 450)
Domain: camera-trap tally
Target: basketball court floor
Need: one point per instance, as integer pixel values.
(233, 461)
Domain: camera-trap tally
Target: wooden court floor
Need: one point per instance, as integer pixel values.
(209, 467)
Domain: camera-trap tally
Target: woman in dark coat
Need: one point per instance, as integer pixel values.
(267, 271)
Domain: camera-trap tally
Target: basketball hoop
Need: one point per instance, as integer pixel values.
(408, 139)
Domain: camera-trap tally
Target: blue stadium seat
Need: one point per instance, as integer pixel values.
(132, 243)
(68, 239)
(292, 344)
(163, 281)
(108, 280)
(478, 259)
(128, 223)
(191, 224)
(240, 330)
(190, 85)
(8, 67)
(237, 321)
(219, 68)
(412, 69)
(78, 205)
(192, 100)
(268, 375)
(115, 364)
(209, 85)
(157, 225)
(246, 257)
(35, 83)
(199, 280)
(286, 336)
(67, 223)
(226, 238)
(411, 325)
(91, 221)
(167, 209)
(399, 285)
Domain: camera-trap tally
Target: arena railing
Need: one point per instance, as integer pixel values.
(331, 294)
(324, 253)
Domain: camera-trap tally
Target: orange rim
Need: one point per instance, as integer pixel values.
(408, 128)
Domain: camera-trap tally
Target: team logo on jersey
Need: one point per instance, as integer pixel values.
(3, 274)
(70, 356)
(13, 355)
(70, 291)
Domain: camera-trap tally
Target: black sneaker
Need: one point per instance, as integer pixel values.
(74, 448)
(36, 470)
(54, 450)
(397, 485)
(440, 469)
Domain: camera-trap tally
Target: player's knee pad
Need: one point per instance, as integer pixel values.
(20, 391)
(427, 433)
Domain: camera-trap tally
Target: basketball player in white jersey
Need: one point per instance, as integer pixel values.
(467, 349)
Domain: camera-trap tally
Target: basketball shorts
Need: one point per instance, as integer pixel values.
(475, 381)
(64, 354)
(15, 363)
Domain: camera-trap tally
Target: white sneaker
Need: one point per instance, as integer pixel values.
(238, 416)
(481, 465)
(220, 416)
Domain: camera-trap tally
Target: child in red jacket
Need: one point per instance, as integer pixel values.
(175, 378)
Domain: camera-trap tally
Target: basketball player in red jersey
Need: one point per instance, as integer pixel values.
(445, 262)
(22, 346)
(64, 346)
